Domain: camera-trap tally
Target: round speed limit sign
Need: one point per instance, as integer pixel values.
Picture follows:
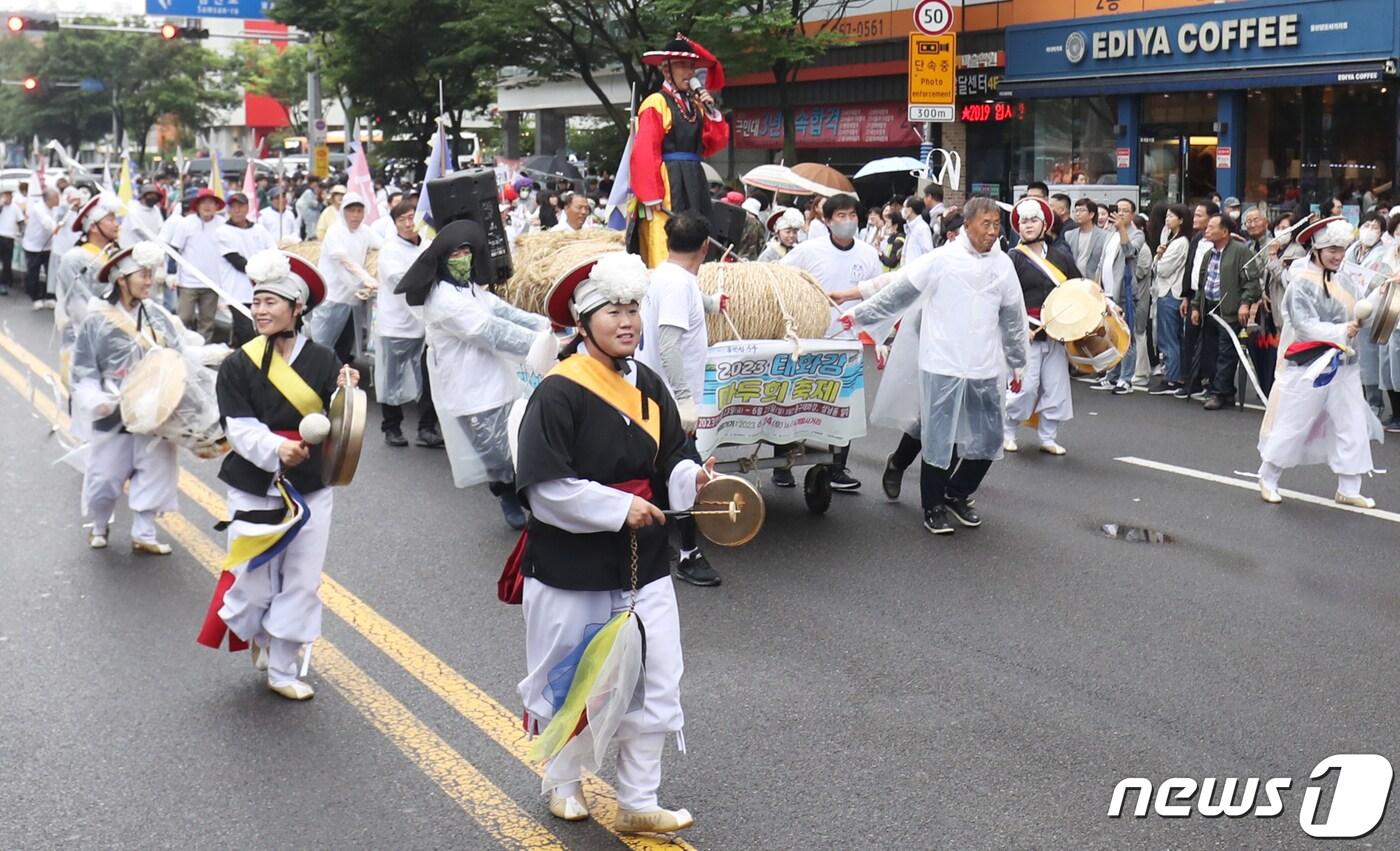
(933, 17)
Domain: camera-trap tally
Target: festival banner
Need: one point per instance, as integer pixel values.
(760, 390)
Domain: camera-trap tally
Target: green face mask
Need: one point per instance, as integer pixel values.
(460, 267)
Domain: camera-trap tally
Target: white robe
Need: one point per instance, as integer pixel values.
(1307, 424)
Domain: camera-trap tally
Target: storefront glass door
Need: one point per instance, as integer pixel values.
(1176, 168)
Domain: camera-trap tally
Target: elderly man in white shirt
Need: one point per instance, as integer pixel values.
(279, 219)
(196, 238)
(39, 225)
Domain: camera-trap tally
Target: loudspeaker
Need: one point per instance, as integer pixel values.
(472, 194)
(727, 223)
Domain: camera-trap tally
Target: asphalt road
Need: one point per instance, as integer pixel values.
(855, 683)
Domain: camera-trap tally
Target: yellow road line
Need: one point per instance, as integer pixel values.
(491, 808)
(464, 696)
(481, 799)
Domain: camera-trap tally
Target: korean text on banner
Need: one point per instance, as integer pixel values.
(758, 390)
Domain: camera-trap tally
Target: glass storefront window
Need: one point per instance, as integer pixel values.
(1064, 140)
(1305, 145)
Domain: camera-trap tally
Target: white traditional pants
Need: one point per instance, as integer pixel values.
(1311, 425)
(278, 606)
(1045, 389)
(555, 620)
(149, 463)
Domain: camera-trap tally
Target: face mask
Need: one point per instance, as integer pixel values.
(460, 268)
(1235, 214)
(844, 229)
(1370, 236)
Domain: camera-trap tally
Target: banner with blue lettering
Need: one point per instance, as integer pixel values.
(760, 390)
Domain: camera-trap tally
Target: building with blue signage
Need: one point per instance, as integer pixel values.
(1271, 102)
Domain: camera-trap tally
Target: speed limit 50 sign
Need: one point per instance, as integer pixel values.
(933, 17)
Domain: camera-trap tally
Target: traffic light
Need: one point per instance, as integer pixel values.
(30, 84)
(21, 23)
(170, 32)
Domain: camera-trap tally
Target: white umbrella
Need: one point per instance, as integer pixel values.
(781, 179)
(711, 175)
(890, 165)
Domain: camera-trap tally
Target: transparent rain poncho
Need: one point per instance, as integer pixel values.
(398, 370)
(972, 328)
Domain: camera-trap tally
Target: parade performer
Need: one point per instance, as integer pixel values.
(348, 285)
(973, 329)
(75, 282)
(1045, 390)
(676, 128)
(239, 238)
(1317, 413)
(281, 511)
(115, 335)
(785, 224)
(1370, 254)
(400, 357)
(600, 442)
(675, 343)
(476, 343)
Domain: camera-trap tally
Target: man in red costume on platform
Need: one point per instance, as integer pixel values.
(676, 128)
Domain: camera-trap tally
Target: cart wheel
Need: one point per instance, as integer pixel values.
(816, 489)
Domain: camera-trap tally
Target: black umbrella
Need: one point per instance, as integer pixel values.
(551, 165)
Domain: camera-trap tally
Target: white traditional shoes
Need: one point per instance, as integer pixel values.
(294, 690)
(1052, 448)
(1269, 495)
(259, 655)
(97, 540)
(1009, 445)
(653, 821)
(567, 807)
(154, 548)
(1357, 501)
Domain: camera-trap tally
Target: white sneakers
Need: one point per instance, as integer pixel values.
(97, 540)
(1009, 445)
(155, 548)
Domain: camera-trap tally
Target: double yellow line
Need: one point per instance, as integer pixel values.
(490, 807)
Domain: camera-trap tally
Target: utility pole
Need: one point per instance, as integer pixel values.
(315, 124)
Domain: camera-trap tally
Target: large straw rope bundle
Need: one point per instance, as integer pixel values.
(541, 258)
(762, 296)
(311, 253)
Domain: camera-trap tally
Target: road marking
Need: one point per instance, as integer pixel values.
(481, 799)
(1253, 485)
(464, 696)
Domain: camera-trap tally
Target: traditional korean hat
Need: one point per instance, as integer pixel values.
(119, 265)
(614, 278)
(1031, 208)
(285, 274)
(1333, 231)
(95, 210)
(785, 218)
(677, 48)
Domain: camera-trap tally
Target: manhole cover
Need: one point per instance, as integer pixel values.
(1135, 534)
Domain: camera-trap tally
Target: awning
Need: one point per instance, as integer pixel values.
(1373, 70)
(263, 112)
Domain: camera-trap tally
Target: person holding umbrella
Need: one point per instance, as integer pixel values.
(677, 126)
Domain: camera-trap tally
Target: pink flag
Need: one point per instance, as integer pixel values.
(250, 188)
(361, 183)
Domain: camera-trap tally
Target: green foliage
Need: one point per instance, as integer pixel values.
(385, 57)
(149, 78)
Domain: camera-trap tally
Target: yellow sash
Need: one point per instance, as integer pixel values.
(588, 373)
(291, 385)
(1044, 263)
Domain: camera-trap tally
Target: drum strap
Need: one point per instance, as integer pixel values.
(123, 321)
(287, 381)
